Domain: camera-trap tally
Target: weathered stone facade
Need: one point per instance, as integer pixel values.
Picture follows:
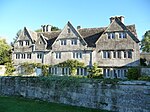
(114, 47)
(128, 96)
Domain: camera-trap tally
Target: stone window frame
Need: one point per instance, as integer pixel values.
(122, 35)
(69, 30)
(17, 55)
(27, 42)
(77, 55)
(39, 55)
(23, 56)
(129, 54)
(63, 42)
(111, 35)
(29, 55)
(106, 54)
(20, 43)
(74, 41)
(58, 55)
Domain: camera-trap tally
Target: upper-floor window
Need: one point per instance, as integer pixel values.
(122, 35)
(125, 54)
(20, 43)
(17, 56)
(23, 56)
(63, 42)
(77, 55)
(111, 35)
(119, 54)
(58, 55)
(68, 30)
(74, 41)
(106, 54)
(29, 56)
(27, 42)
(39, 55)
(114, 54)
(129, 54)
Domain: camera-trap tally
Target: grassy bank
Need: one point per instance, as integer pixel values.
(17, 104)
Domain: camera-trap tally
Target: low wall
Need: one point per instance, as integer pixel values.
(2, 70)
(123, 97)
(145, 71)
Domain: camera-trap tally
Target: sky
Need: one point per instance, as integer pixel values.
(17, 14)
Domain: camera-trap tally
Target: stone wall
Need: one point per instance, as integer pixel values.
(145, 71)
(2, 70)
(128, 96)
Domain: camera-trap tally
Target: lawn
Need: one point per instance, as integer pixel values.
(17, 104)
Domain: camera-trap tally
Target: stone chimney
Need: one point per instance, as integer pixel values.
(121, 18)
(46, 28)
(78, 27)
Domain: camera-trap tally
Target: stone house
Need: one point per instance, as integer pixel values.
(114, 48)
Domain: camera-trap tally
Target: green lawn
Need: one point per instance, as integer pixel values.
(16, 104)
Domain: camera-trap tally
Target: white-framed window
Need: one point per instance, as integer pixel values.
(77, 55)
(27, 42)
(20, 43)
(111, 35)
(58, 55)
(63, 42)
(106, 54)
(17, 56)
(129, 54)
(74, 42)
(28, 55)
(23, 56)
(39, 55)
(122, 35)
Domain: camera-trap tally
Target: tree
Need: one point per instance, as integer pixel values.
(5, 52)
(145, 42)
(95, 72)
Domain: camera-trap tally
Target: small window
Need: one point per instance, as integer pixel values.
(20, 43)
(58, 55)
(29, 56)
(106, 54)
(39, 55)
(27, 43)
(129, 54)
(77, 55)
(17, 56)
(40, 42)
(23, 56)
(111, 35)
(69, 30)
(125, 54)
(63, 42)
(114, 54)
(122, 35)
(74, 41)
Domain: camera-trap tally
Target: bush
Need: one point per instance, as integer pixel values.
(133, 73)
(144, 78)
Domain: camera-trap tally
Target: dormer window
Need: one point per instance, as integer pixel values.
(74, 41)
(111, 35)
(69, 30)
(63, 42)
(122, 35)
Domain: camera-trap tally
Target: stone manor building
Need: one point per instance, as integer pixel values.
(114, 48)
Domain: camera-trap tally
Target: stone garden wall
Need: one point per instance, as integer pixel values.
(127, 96)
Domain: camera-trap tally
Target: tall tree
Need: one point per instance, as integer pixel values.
(5, 52)
(15, 39)
(145, 42)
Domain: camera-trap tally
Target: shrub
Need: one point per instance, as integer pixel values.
(133, 73)
(9, 68)
(144, 78)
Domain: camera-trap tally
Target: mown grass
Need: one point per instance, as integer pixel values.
(18, 104)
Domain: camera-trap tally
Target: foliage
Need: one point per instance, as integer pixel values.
(72, 64)
(53, 28)
(143, 62)
(145, 42)
(9, 68)
(5, 52)
(133, 73)
(144, 78)
(45, 70)
(19, 104)
(28, 68)
(95, 72)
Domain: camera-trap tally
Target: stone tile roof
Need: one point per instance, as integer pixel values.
(90, 35)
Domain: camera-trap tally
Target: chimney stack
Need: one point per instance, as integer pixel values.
(121, 18)
(46, 28)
